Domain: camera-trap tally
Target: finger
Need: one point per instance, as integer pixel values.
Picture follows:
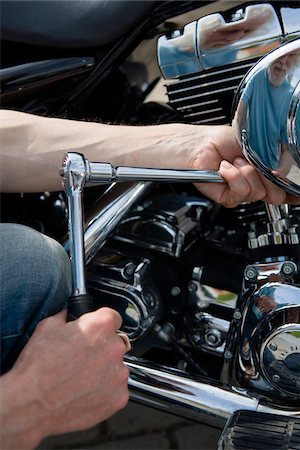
(106, 320)
(238, 187)
(292, 200)
(275, 195)
(115, 316)
(257, 188)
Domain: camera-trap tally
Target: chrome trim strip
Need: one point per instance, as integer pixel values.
(200, 399)
(210, 73)
(207, 85)
(199, 122)
(182, 108)
(200, 113)
(205, 94)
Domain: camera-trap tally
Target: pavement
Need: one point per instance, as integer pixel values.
(137, 428)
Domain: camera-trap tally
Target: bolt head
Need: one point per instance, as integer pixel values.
(175, 291)
(192, 286)
(288, 268)
(228, 354)
(273, 347)
(237, 315)
(250, 273)
(276, 378)
(129, 269)
(149, 300)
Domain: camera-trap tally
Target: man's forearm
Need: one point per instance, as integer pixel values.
(32, 147)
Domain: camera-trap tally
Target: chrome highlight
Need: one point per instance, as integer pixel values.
(112, 207)
(266, 121)
(200, 399)
(73, 174)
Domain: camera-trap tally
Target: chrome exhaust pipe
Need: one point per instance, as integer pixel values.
(199, 399)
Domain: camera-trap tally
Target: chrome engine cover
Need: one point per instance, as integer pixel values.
(205, 61)
(267, 358)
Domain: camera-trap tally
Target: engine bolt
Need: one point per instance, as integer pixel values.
(175, 291)
(288, 268)
(251, 273)
(237, 315)
(228, 354)
(273, 347)
(213, 338)
(129, 269)
(192, 286)
(276, 378)
(149, 300)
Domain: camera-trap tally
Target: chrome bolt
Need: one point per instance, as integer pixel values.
(192, 286)
(288, 268)
(129, 269)
(276, 378)
(228, 354)
(251, 273)
(175, 291)
(149, 300)
(196, 338)
(273, 347)
(237, 315)
(213, 338)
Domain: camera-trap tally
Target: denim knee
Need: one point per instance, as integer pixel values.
(35, 282)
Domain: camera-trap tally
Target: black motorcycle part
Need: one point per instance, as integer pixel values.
(251, 430)
(63, 25)
(26, 77)
(79, 305)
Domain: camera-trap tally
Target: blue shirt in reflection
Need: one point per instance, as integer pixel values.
(217, 58)
(266, 117)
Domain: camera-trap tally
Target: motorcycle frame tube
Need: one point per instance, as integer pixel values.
(112, 209)
(199, 399)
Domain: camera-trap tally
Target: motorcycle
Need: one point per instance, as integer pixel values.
(210, 297)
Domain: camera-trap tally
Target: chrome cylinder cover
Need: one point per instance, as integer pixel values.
(205, 61)
(268, 357)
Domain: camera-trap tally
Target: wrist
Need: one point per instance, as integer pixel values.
(23, 421)
(172, 145)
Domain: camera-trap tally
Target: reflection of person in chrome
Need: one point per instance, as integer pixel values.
(217, 38)
(267, 98)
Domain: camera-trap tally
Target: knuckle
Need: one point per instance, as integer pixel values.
(108, 318)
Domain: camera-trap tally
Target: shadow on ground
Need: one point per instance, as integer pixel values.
(136, 428)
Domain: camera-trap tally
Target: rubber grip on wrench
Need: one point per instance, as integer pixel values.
(79, 305)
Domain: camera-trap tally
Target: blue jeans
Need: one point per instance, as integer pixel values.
(35, 281)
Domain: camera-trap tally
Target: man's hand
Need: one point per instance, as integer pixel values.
(69, 376)
(218, 149)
